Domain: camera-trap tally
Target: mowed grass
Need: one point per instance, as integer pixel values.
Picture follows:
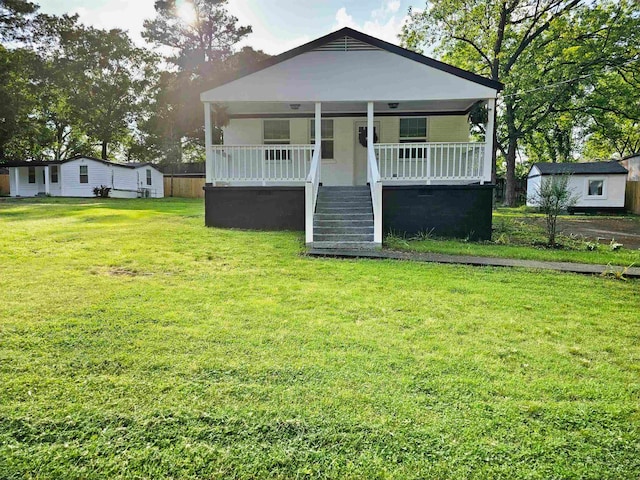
(136, 343)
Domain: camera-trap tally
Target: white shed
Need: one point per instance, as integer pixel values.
(598, 186)
(78, 176)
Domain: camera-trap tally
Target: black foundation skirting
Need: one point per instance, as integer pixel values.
(255, 208)
(458, 211)
(596, 210)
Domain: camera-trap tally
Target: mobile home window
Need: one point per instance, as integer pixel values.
(148, 176)
(32, 174)
(412, 130)
(276, 132)
(84, 174)
(595, 188)
(326, 137)
(54, 174)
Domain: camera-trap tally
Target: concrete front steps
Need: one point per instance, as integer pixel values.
(343, 219)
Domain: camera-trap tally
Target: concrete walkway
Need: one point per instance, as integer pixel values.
(589, 269)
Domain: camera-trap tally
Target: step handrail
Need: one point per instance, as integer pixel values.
(375, 186)
(311, 187)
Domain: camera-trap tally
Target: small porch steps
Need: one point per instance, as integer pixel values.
(343, 219)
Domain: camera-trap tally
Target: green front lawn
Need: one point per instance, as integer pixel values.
(518, 233)
(136, 343)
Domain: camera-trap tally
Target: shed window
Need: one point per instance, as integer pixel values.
(148, 176)
(412, 130)
(32, 174)
(326, 138)
(276, 132)
(54, 174)
(595, 188)
(84, 174)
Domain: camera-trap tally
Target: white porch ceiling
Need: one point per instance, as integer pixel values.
(307, 108)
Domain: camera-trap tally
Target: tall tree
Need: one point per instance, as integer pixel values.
(199, 33)
(15, 16)
(525, 44)
(111, 80)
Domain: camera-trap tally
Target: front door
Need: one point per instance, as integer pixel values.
(360, 152)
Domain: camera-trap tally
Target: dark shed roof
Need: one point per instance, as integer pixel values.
(584, 168)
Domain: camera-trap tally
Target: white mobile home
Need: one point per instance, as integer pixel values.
(598, 186)
(78, 176)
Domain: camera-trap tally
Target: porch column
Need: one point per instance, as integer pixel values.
(47, 182)
(16, 179)
(369, 134)
(208, 144)
(488, 141)
(318, 125)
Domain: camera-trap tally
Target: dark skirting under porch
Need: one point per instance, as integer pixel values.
(255, 208)
(458, 211)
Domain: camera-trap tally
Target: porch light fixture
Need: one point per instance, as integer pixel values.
(393, 105)
(294, 106)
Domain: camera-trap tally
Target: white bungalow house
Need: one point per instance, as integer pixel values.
(78, 176)
(298, 153)
(597, 186)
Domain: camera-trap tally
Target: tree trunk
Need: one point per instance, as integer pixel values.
(512, 149)
(510, 196)
(104, 150)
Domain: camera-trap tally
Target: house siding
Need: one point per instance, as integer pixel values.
(458, 211)
(340, 170)
(123, 181)
(615, 185)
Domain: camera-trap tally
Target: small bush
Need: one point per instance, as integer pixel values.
(552, 197)
(102, 191)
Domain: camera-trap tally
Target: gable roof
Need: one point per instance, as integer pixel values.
(367, 39)
(44, 163)
(583, 168)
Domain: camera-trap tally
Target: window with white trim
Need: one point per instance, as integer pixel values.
(148, 176)
(326, 137)
(54, 174)
(412, 130)
(276, 132)
(32, 174)
(595, 187)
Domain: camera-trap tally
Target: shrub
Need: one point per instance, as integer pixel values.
(552, 197)
(102, 191)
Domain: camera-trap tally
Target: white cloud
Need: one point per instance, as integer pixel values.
(384, 22)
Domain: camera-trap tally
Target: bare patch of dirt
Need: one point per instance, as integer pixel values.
(624, 230)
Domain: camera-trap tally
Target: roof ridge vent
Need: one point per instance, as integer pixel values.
(345, 44)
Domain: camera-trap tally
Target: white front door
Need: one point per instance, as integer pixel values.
(360, 152)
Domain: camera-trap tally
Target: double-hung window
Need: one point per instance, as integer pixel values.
(54, 173)
(276, 132)
(326, 137)
(412, 130)
(148, 176)
(84, 174)
(32, 174)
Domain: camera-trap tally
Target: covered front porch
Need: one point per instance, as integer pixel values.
(345, 154)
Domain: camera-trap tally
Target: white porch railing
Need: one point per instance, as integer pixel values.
(260, 164)
(430, 161)
(311, 187)
(375, 185)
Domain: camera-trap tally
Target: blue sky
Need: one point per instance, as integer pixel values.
(278, 25)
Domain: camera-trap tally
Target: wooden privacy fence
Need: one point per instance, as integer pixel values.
(4, 184)
(186, 187)
(632, 197)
